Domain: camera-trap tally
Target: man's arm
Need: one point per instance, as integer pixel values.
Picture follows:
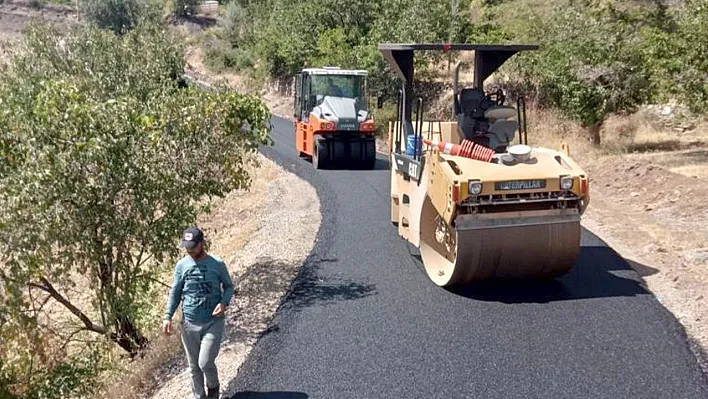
(228, 286)
(175, 293)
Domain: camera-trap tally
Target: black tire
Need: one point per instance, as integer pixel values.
(319, 156)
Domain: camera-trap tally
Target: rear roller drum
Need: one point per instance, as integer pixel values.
(528, 247)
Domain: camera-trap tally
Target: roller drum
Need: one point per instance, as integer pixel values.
(533, 244)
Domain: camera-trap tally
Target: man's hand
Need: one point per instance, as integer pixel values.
(167, 327)
(218, 310)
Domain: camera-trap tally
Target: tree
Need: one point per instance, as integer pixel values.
(104, 160)
(120, 16)
(588, 65)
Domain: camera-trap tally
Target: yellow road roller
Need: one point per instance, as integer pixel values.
(470, 192)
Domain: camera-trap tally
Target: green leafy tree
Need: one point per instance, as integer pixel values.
(676, 56)
(120, 16)
(588, 66)
(333, 49)
(104, 161)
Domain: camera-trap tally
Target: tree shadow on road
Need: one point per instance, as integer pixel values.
(599, 273)
(310, 289)
(270, 395)
(259, 292)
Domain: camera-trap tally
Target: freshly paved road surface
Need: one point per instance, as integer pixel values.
(364, 321)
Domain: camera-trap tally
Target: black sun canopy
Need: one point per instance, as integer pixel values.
(488, 58)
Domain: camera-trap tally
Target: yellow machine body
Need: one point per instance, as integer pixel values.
(515, 226)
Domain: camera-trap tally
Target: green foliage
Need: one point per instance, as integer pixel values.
(600, 58)
(387, 113)
(236, 24)
(333, 49)
(120, 16)
(283, 36)
(220, 56)
(104, 160)
(224, 46)
(587, 78)
(72, 377)
(676, 57)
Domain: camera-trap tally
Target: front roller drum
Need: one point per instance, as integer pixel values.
(534, 244)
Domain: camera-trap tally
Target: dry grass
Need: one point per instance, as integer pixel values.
(130, 379)
(626, 134)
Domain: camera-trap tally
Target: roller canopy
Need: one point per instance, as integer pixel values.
(488, 57)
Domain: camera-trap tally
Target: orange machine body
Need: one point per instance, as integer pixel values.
(307, 129)
(333, 123)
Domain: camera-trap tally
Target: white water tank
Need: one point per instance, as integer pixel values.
(209, 7)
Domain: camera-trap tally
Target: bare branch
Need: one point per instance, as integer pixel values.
(147, 258)
(138, 261)
(49, 288)
(67, 340)
(154, 280)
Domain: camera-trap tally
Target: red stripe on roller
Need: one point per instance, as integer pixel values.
(464, 148)
(468, 148)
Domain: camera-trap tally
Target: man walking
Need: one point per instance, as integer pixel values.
(198, 282)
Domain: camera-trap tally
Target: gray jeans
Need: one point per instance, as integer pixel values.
(201, 343)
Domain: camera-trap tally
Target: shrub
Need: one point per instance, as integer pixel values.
(120, 16)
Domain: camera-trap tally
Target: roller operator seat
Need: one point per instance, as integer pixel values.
(470, 111)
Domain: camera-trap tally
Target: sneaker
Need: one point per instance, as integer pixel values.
(213, 392)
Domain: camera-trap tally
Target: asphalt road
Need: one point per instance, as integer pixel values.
(363, 321)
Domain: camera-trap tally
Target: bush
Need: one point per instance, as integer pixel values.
(120, 16)
(236, 24)
(678, 62)
(598, 59)
(283, 36)
(220, 55)
(382, 117)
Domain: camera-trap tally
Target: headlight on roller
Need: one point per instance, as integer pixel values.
(474, 187)
(566, 182)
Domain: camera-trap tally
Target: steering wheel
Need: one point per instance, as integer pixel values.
(497, 96)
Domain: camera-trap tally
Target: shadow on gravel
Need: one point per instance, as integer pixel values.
(599, 273)
(257, 294)
(309, 289)
(269, 395)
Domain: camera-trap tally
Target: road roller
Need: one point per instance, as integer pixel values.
(332, 119)
(478, 201)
